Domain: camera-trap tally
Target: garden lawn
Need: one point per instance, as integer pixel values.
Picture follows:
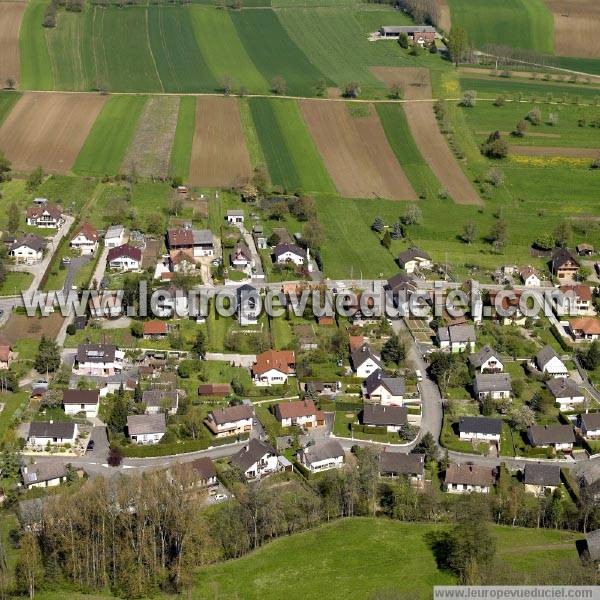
(36, 67)
(107, 143)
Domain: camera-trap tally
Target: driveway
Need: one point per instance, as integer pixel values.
(238, 360)
(73, 268)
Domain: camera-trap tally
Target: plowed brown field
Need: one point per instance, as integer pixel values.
(10, 23)
(576, 27)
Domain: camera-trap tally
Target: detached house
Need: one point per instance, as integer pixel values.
(302, 413)
(559, 437)
(487, 360)
(457, 338)
(204, 472)
(494, 385)
(248, 305)
(124, 258)
(322, 456)
(564, 265)
(231, 420)
(566, 392)
(284, 253)
(382, 389)
(199, 241)
(365, 361)
(590, 425)
(466, 478)
(585, 328)
(396, 464)
(146, 429)
(273, 367)
(477, 429)
(85, 240)
(114, 236)
(540, 478)
(43, 433)
(548, 362)
(43, 475)
(530, 277)
(6, 356)
(234, 216)
(81, 401)
(98, 359)
(257, 459)
(45, 215)
(419, 35)
(413, 259)
(182, 261)
(161, 401)
(393, 418)
(27, 250)
(241, 257)
(155, 330)
(576, 301)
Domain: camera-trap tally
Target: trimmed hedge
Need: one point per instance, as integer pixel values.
(168, 449)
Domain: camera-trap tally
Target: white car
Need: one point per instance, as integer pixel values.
(419, 376)
(219, 497)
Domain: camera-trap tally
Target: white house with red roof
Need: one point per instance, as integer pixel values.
(85, 240)
(124, 258)
(273, 367)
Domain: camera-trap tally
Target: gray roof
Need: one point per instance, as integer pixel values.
(362, 354)
(293, 248)
(412, 254)
(492, 382)
(560, 256)
(460, 334)
(408, 29)
(142, 424)
(235, 212)
(591, 420)
(469, 474)
(57, 429)
(96, 353)
(480, 425)
(252, 452)
(203, 237)
(323, 451)
(157, 397)
(114, 231)
(398, 463)
(544, 356)
(401, 281)
(80, 396)
(543, 435)
(31, 241)
(204, 468)
(230, 414)
(563, 388)
(376, 414)
(593, 544)
(40, 472)
(479, 358)
(394, 385)
(542, 474)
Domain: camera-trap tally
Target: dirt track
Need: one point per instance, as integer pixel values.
(576, 27)
(11, 14)
(48, 130)
(219, 153)
(356, 152)
(555, 151)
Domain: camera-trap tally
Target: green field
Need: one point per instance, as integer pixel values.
(293, 160)
(517, 23)
(36, 67)
(181, 151)
(7, 101)
(105, 147)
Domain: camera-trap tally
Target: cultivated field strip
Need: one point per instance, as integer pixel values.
(11, 14)
(356, 152)
(555, 151)
(576, 27)
(219, 154)
(150, 150)
(48, 130)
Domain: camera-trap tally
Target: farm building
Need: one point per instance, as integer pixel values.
(417, 34)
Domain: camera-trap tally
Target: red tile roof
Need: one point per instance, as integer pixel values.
(88, 231)
(299, 408)
(124, 250)
(282, 360)
(155, 328)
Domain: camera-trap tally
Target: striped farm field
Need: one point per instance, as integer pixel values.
(48, 130)
(36, 68)
(105, 147)
(11, 14)
(184, 138)
(293, 160)
(7, 101)
(356, 151)
(219, 154)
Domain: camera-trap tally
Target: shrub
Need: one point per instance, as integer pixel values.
(534, 116)
(495, 146)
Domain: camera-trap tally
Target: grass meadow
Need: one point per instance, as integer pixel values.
(7, 101)
(184, 136)
(36, 68)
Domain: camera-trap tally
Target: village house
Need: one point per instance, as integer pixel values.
(182, 261)
(101, 360)
(530, 277)
(414, 258)
(161, 401)
(28, 249)
(467, 478)
(382, 389)
(85, 240)
(273, 367)
(204, 472)
(155, 330)
(457, 338)
(300, 413)
(566, 392)
(43, 475)
(364, 361)
(231, 420)
(241, 257)
(284, 253)
(45, 215)
(114, 236)
(585, 329)
(486, 360)
(322, 456)
(214, 390)
(507, 309)
(257, 459)
(475, 429)
(81, 401)
(393, 418)
(146, 429)
(420, 35)
(124, 258)
(548, 362)
(234, 216)
(248, 305)
(199, 241)
(540, 478)
(107, 305)
(494, 385)
(576, 300)
(564, 266)
(590, 425)
(559, 437)
(6, 356)
(44, 433)
(398, 464)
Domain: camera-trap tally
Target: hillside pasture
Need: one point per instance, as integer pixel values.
(149, 152)
(576, 27)
(11, 14)
(36, 68)
(48, 130)
(219, 154)
(293, 161)
(355, 151)
(105, 147)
